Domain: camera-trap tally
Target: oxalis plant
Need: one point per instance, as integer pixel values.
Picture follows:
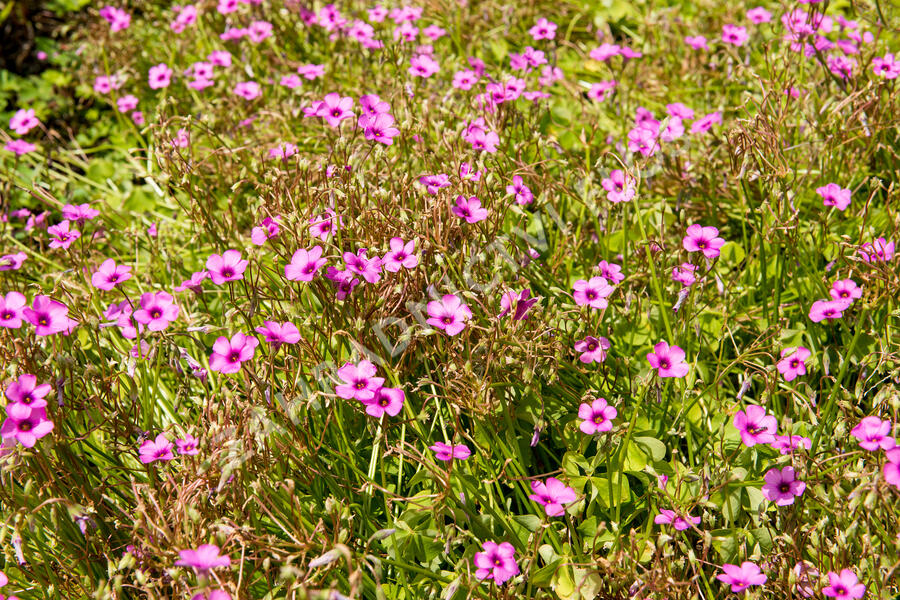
(448, 299)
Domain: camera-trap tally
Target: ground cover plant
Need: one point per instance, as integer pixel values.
(452, 300)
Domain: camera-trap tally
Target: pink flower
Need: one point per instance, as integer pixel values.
(279, 333)
(423, 66)
(24, 391)
(324, 225)
(12, 262)
(226, 267)
(706, 122)
(118, 19)
(158, 449)
(259, 30)
(335, 109)
(521, 191)
(593, 349)
(23, 121)
(887, 67)
(543, 30)
(359, 380)
(24, 424)
(401, 255)
(703, 239)
(265, 231)
(248, 90)
(311, 71)
(781, 487)
(379, 127)
(597, 416)
(878, 251)
(304, 264)
(19, 147)
(62, 236)
(610, 271)
(697, 42)
(446, 452)
(845, 290)
(465, 80)
(523, 303)
(834, 195)
(844, 586)
(592, 292)
(187, 446)
(386, 400)
(368, 268)
(643, 140)
(194, 282)
(433, 183)
(670, 517)
(786, 444)
(669, 361)
(469, 209)
(160, 76)
(735, 35)
(109, 275)
(618, 186)
(496, 562)
(604, 52)
(874, 434)
(552, 495)
(157, 310)
(755, 426)
(741, 577)
(79, 213)
(793, 362)
(228, 355)
(827, 309)
(48, 316)
(12, 310)
(449, 314)
(600, 91)
(759, 15)
(891, 468)
(204, 558)
(126, 103)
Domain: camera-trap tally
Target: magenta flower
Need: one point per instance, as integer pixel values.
(422, 65)
(593, 292)
(874, 434)
(25, 424)
(386, 400)
(248, 90)
(204, 558)
(12, 310)
(304, 264)
(697, 42)
(878, 251)
(79, 213)
(845, 586)
(827, 309)
(279, 333)
(597, 416)
(741, 577)
(734, 35)
(343, 280)
(24, 391)
(12, 262)
(887, 66)
(593, 350)
(793, 362)
(359, 380)
(226, 267)
(845, 290)
(469, 209)
(610, 271)
(159, 76)
(685, 274)
(228, 355)
(154, 450)
(543, 30)
(378, 127)
(602, 90)
(269, 227)
(19, 147)
(401, 255)
(703, 239)
(619, 187)
(433, 183)
(335, 109)
(109, 275)
(552, 495)
(891, 468)
(781, 486)
(324, 225)
(449, 313)
(522, 301)
(833, 195)
(670, 517)
(786, 444)
(669, 361)
(48, 316)
(446, 452)
(23, 121)
(368, 268)
(187, 446)
(61, 236)
(759, 15)
(521, 191)
(755, 426)
(157, 310)
(194, 282)
(496, 562)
